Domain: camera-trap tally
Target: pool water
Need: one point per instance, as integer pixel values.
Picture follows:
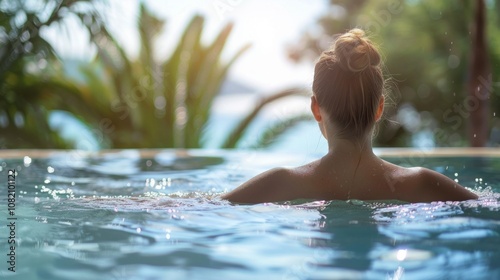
(155, 215)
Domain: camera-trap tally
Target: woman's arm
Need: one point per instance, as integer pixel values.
(271, 186)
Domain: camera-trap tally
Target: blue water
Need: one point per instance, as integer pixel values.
(123, 216)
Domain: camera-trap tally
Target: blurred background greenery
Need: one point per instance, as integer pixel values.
(117, 100)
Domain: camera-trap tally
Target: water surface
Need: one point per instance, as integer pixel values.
(124, 216)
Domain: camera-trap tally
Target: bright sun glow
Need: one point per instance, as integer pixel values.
(401, 255)
(268, 27)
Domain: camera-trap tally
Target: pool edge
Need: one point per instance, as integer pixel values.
(144, 153)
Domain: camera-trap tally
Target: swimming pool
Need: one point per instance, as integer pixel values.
(154, 215)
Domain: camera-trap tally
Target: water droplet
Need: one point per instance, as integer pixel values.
(456, 174)
(50, 169)
(453, 61)
(138, 230)
(27, 161)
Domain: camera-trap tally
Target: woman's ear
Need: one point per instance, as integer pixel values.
(380, 109)
(315, 109)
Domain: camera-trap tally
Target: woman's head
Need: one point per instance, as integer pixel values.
(349, 84)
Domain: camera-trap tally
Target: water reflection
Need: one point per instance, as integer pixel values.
(105, 216)
(436, 240)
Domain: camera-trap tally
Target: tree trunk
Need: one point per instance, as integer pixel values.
(479, 86)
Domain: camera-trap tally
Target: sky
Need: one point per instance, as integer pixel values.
(269, 26)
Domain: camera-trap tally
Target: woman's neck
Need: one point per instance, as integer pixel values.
(350, 147)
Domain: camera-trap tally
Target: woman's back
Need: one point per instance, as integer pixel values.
(347, 102)
(373, 179)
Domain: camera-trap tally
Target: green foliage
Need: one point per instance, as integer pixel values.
(164, 104)
(270, 135)
(427, 47)
(150, 104)
(237, 133)
(125, 103)
(26, 59)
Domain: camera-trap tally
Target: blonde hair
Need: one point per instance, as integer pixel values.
(349, 83)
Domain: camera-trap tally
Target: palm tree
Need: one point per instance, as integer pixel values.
(26, 97)
(150, 104)
(125, 103)
(154, 104)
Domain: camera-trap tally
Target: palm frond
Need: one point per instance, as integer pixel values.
(273, 132)
(240, 129)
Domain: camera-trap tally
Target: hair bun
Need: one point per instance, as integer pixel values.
(355, 52)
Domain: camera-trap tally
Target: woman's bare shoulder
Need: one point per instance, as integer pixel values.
(277, 184)
(308, 169)
(420, 184)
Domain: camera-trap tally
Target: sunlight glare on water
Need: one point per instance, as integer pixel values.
(125, 216)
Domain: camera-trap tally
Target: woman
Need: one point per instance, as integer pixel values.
(347, 101)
